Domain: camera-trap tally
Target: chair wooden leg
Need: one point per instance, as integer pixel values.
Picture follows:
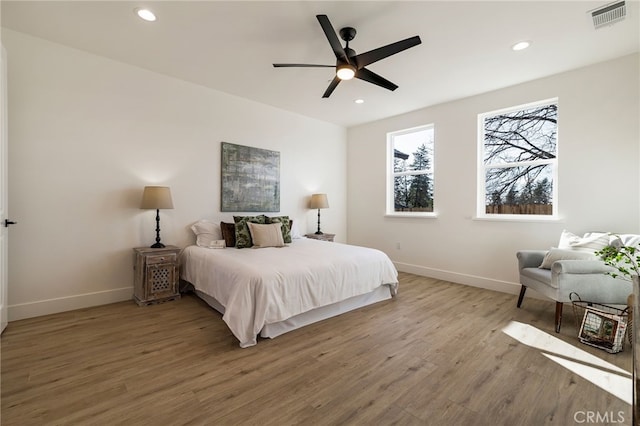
(559, 306)
(522, 291)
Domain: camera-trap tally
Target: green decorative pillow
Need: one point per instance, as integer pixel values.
(286, 226)
(243, 235)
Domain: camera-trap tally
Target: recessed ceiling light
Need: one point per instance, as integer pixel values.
(146, 14)
(359, 101)
(521, 45)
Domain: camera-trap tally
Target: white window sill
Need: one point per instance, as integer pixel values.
(519, 218)
(412, 215)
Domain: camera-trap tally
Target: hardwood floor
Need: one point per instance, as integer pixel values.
(435, 355)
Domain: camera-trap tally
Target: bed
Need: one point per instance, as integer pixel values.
(270, 291)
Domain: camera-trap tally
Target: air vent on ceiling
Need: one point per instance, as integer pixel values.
(608, 14)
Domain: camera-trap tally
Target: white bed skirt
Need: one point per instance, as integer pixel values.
(315, 315)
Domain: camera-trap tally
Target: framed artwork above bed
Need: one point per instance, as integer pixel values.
(250, 179)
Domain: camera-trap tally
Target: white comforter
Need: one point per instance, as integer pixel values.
(268, 285)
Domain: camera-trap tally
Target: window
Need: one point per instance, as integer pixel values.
(518, 161)
(410, 171)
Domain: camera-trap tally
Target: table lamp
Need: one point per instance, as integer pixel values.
(319, 201)
(157, 197)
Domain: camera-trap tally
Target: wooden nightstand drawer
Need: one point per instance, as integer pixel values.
(165, 258)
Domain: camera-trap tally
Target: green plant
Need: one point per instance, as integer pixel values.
(623, 258)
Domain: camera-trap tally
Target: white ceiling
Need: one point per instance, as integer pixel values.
(230, 46)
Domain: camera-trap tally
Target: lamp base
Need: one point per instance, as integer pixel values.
(158, 244)
(319, 233)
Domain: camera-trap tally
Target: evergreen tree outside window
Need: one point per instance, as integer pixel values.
(517, 173)
(410, 183)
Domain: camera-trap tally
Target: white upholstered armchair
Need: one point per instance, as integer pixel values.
(574, 268)
(585, 277)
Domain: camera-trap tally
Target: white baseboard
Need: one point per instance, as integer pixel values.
(62, 304)
(456, 277)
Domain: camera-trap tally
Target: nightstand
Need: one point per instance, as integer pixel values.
(155, 274)
(321, 237)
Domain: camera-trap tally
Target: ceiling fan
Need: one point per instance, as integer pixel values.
(349, 64)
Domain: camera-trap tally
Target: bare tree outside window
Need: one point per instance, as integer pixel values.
(412, 170)
(519, 148)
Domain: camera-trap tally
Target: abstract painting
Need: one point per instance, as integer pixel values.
(250, 179)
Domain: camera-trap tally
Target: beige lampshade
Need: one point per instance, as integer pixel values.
(156, 197)
(319, 201)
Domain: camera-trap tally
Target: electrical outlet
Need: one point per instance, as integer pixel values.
(397, 246)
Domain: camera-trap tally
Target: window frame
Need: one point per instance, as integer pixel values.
(391, 174)
(482, 168)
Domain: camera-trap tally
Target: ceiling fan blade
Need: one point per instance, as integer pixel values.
(372, 77)
(366, 58)
(303, 65)
(332, 87)
(338, 50)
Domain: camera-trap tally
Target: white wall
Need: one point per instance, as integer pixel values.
(599, 181)
(86, 134)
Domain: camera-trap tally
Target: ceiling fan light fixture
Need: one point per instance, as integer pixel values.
(349, 64)
(346, 72)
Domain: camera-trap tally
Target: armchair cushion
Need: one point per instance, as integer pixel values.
(561, 254)
(537, 274)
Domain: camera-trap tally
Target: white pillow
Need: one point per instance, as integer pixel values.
(266, 235)
(564, 254)
(295, 231)
(206, 233)
(590, 242)
(630, 240)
